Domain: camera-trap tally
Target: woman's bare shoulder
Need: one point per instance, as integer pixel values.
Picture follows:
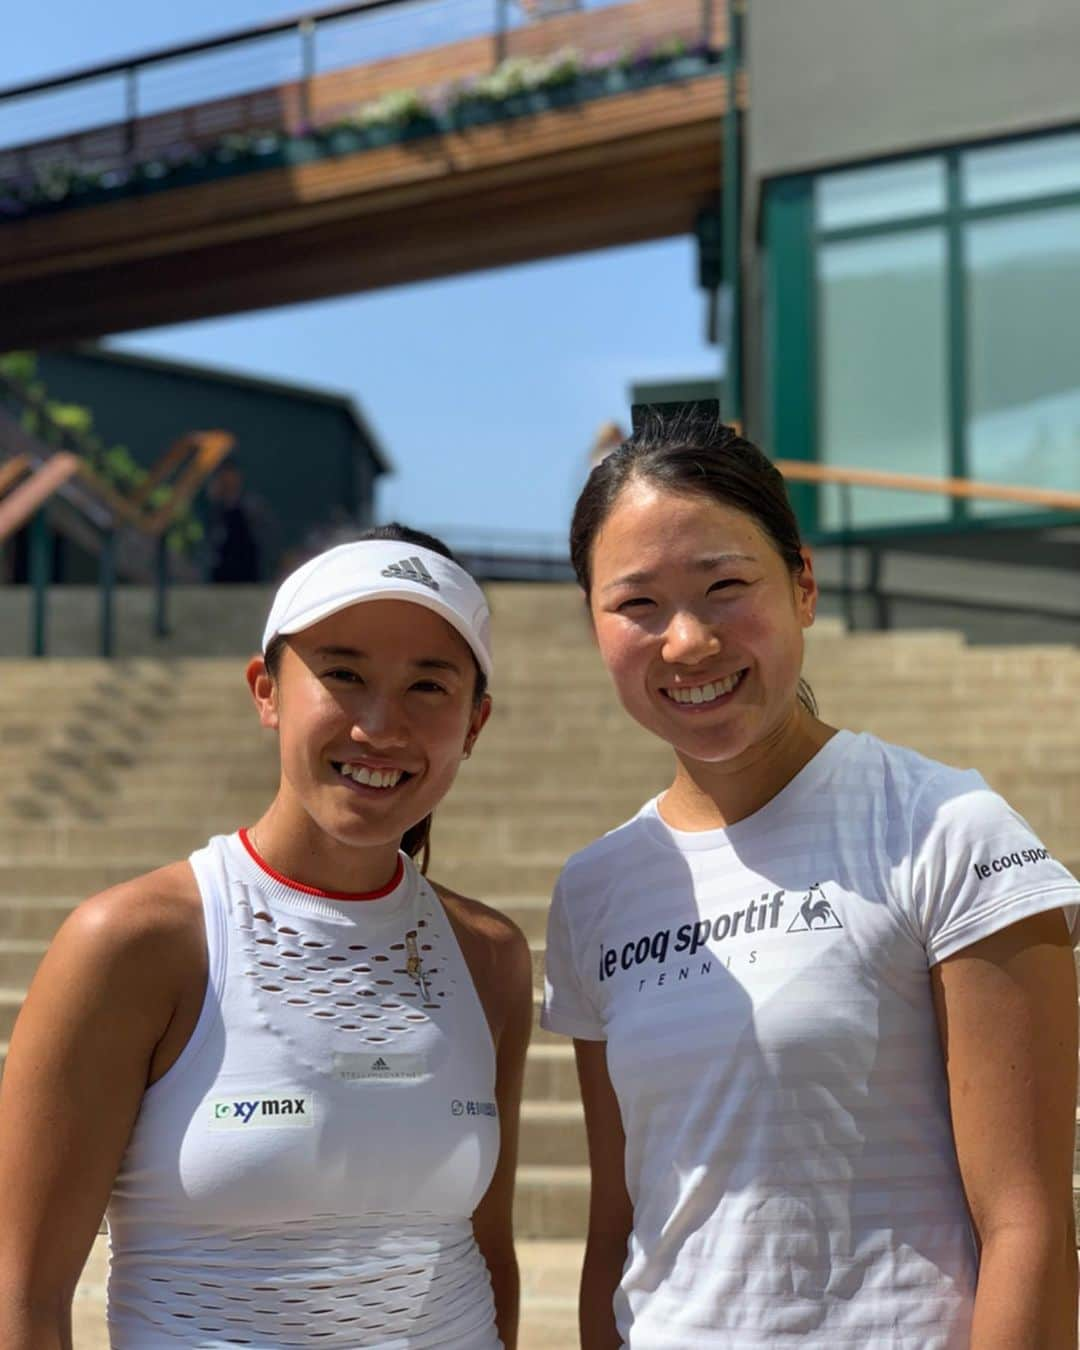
(485, 922)
(151, 925)
(500, 961)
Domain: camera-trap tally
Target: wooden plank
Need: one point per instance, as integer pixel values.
(11, 471)
(20, 504)
(280, 199)
(1053, 499)
(207, 450)
(652, 189)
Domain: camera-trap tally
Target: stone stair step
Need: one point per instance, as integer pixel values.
(35, 919)
(551, 1073)
(553, 1134)
(551, 1202)
(10, 1002)
(19, 958)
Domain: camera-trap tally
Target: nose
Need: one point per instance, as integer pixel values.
(688, 639)
(380, 724)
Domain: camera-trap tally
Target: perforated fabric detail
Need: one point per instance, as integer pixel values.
(362, 992)
(290, 1289)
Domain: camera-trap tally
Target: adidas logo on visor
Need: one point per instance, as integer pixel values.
(411, 569)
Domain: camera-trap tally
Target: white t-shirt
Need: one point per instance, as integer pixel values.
(764, 993)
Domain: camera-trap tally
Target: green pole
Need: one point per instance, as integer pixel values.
(107, 579)
(161, 588)
(40, 576)
(732, 213)
(956, 321)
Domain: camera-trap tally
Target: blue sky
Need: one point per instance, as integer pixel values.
(486, 390)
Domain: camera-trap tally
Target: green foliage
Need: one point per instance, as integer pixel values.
(395, 109)
(71, 418)
(19, 367)
(671, 49)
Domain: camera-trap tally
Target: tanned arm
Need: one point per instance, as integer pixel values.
(1007, 1015)
(81, 1055)
(611, 1215)
(500, 962)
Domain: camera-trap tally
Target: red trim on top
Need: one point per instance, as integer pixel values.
(392, 884)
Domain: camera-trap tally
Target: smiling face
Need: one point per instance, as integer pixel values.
(374, 709)
(700, 622)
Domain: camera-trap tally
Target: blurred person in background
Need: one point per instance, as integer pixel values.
(289, 1069)
(233, 530)
(822, 988)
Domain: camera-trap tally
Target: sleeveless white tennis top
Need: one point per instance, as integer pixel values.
(305, 1174)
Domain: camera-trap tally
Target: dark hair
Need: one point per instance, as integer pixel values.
(416, 841)
(687, 449)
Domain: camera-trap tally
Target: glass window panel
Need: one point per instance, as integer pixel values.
(884, 397)
(1024, 363)
(914, 187)
(1023, 169)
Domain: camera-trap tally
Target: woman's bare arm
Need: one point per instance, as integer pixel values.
(500, 963)
(1007, 1014)
(611, 1215)
(82, 1052)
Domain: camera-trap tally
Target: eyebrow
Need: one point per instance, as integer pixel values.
(707, 564)
(355, 654)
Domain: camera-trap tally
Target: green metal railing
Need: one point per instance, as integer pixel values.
(37, 479)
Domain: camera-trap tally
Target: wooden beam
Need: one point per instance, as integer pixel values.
(11, 471)
(1053, 499)
(275, 201)
(587, 195)
(20, 504)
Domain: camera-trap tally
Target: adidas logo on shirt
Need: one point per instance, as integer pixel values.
(381, 1063)
(411, 569)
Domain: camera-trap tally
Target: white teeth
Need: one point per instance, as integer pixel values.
(704, 693)
(378, 778)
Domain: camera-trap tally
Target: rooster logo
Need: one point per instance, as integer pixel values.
(815, 913)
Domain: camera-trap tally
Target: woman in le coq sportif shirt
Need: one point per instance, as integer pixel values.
(821, 989)
(290, 1068)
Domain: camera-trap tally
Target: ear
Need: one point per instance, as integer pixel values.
(264, 691)
(477, 722)
(806, 590)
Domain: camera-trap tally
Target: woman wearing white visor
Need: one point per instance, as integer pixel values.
(289, 1068)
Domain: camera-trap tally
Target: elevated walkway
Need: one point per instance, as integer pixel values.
(106, 774)
(598, 128)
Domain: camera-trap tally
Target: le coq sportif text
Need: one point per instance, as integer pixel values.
(691, 937)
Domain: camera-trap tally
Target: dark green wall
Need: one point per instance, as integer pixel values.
(302, 457)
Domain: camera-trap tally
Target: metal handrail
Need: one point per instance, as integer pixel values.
(305, 26)
(164, 54)
(1052, 499)
(65, 473)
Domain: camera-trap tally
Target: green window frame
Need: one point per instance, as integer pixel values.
(792, 340)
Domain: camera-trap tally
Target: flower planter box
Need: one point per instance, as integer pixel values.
(345, 140)
(271, 149)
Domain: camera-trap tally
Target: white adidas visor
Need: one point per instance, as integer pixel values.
(379, 569)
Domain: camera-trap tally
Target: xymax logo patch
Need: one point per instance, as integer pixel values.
(291, 1112)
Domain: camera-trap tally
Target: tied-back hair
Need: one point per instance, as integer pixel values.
(686, 448)
(416, 841)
